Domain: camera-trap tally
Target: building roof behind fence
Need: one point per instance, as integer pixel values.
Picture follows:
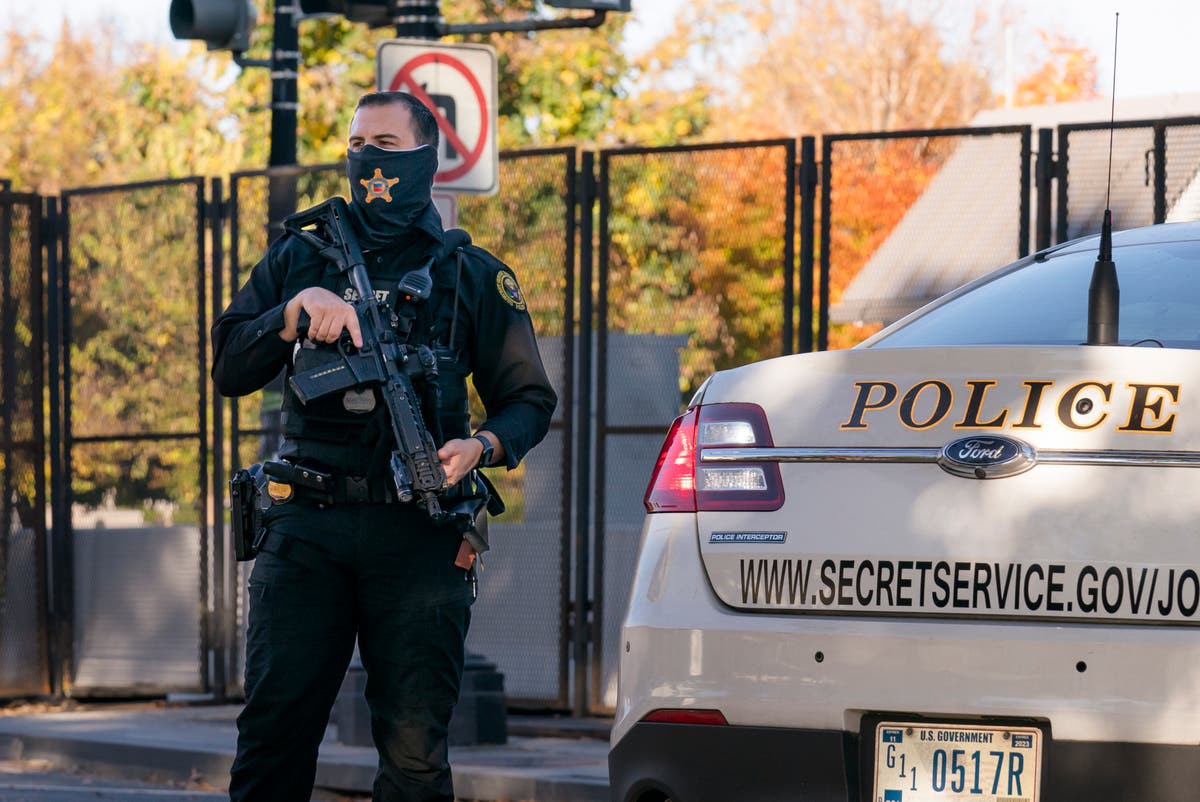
(966, 222)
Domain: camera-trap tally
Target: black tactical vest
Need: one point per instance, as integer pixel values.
(349, 433)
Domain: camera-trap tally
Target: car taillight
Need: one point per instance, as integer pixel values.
(682, 482)
(686, 716)
(673, 484)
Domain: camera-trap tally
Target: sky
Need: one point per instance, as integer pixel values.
(1155, 40)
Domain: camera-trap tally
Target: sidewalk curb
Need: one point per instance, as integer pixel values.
(198, 745)
(132, 762)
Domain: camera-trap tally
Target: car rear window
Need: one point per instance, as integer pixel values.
(1045, 303)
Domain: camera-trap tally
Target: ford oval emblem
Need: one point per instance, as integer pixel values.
(987, 457)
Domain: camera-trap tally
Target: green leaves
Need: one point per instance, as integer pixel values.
(93, 112)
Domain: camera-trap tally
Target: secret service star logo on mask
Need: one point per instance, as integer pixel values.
(378, 187)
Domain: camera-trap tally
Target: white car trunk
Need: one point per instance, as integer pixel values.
(885, 511)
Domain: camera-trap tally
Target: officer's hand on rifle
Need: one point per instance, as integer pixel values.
(329, 315)
(458, 457)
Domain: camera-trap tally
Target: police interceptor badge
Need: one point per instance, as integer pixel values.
(748, 537)
(506, 283)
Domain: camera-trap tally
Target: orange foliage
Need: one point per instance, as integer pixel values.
(793, 67)
(875, 183)
(1068, 73)
(696, 250)
(848, 335)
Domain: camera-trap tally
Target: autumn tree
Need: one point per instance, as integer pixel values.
(1067, 73)
(140, 114)
(795, 67)
(134, 343)
(147, 113)
(695, 242)
(556, 87)
(875, 184)
(779, 68)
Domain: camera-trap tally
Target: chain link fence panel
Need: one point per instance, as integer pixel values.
(696, 274)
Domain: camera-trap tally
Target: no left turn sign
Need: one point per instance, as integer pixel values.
(459, 83)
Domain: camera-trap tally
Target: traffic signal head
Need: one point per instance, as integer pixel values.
(594, 5)
(221, 24)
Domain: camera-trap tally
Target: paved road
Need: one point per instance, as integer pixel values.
(39, 781)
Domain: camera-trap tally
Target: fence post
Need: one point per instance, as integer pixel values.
(222, 609)
(1044, 178)
(1023, 226)
(202, 408)
(808, 235)
(1160, 172)
(572, 493)
(826, 211)
(62, 571)
(580, 634)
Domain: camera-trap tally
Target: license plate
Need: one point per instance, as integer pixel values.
(925, 762)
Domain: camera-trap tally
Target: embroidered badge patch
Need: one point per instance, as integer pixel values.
(506, 283)
(378, 187)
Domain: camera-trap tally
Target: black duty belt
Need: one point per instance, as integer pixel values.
(287, 481)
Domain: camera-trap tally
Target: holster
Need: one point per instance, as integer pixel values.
(469, 511)
(246, 497)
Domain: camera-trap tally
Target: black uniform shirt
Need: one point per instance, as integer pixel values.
(493, 341)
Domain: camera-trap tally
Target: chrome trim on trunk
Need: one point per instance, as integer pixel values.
(819, 454)
(1160, 459)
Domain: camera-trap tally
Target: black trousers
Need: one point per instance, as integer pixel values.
(382, 573)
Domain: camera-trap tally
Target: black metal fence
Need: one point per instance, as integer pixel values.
(646, 269)
(134, 470)
(1147, 188)
(907, 216)
(697, 273)
(24, 601)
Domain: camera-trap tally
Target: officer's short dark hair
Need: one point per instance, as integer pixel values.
(425, 126)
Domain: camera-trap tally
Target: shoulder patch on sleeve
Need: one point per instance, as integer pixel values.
(506, 285)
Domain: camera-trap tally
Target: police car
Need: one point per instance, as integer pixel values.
(958, 562)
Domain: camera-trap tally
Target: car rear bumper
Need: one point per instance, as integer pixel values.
(682, 648)
(691, 763)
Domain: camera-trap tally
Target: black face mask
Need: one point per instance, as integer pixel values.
(389, 189)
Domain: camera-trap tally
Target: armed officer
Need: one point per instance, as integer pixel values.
(348, 560)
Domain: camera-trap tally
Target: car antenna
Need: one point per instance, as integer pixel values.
(1104, 294)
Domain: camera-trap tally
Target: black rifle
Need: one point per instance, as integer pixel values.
(382, 361)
